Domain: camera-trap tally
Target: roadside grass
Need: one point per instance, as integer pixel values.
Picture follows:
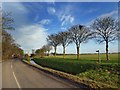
(87, 67)
(101, 76)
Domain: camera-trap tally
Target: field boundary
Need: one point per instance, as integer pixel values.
(85, 83)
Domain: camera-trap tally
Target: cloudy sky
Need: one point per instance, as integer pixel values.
(35, 20)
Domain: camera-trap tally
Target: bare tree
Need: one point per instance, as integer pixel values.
(79, 34)
(7, 21)
(7, 40)
(9, 47)
(64, 40)
(47, 48)
(53, 40)
(44, 48)
(106, 31)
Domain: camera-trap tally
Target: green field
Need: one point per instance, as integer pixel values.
(86, 67)
(89, 56)
(71, 65)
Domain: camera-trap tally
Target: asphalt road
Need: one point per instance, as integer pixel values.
(16, 74)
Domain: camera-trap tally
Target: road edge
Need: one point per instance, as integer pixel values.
(84, 83)
(66, 76)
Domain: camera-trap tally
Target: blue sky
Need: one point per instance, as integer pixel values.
(35, 20)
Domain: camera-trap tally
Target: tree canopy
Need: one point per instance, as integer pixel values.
(105, 30)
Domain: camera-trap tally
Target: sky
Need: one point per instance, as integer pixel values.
(34, 21)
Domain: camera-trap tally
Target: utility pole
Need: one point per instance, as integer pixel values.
(98, 55)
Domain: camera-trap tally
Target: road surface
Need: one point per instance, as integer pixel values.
(16, 74)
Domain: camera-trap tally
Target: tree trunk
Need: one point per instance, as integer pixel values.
(107, 58)
(63, 52)
(55, 50)
(78, 52)
(48, 53)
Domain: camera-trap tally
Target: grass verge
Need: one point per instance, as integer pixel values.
(76, 78)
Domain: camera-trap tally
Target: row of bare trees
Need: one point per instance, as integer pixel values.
(102, 29)
(9, 47)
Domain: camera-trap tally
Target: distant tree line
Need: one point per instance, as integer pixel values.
(44, 51)
(103, 29)
(9, 48)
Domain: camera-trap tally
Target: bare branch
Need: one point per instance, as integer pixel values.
(105, 30)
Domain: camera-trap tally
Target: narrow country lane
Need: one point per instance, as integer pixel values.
(16, 74)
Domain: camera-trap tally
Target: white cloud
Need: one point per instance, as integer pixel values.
(19, 12)
(28, 36)
(113, 13)
(32, 37)
(45, 22)
(14, 7)
(65, 15)
(51, 10)
(66, 19)
(63, 28)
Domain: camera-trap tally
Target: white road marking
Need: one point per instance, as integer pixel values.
(11, 66)
(16, 80)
